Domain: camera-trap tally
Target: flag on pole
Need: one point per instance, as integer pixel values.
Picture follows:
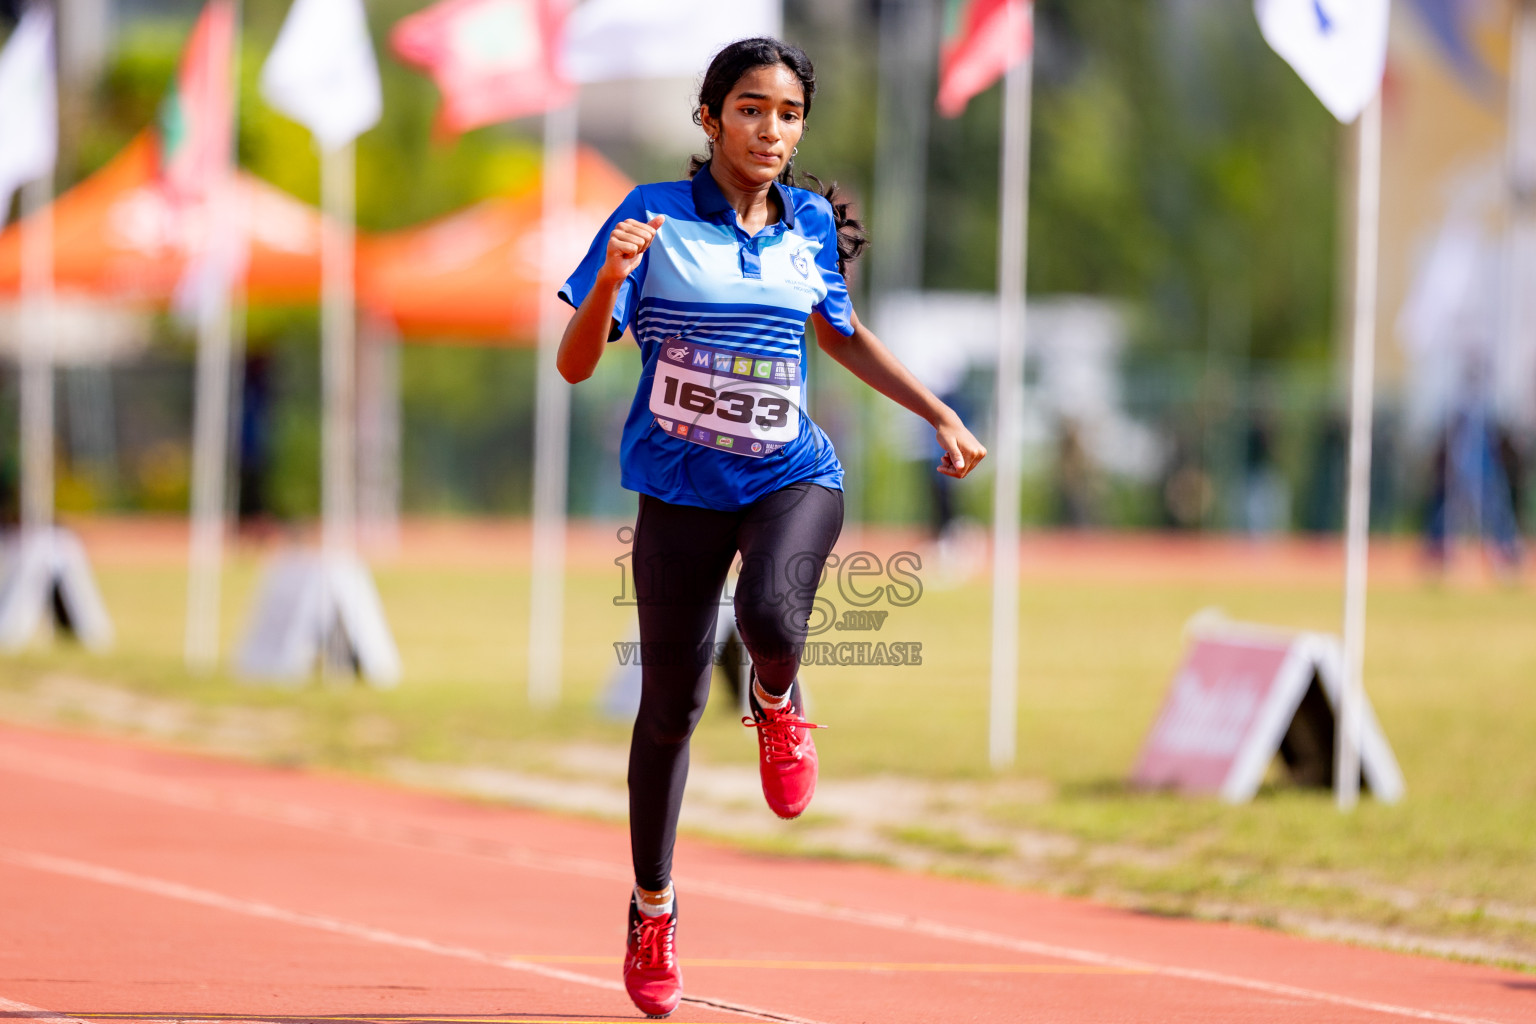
(608, 40)
(985, 39)
(29, 106)
(197, 116)
(1338, 47)
(322, 71)
(196, 137)
(493, 60)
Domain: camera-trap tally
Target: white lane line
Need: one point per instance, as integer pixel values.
(939, 930)
(438, 840)
(11, 1008)
(336, 926)
(357, 826)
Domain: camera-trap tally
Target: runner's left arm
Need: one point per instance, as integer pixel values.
(867, 358)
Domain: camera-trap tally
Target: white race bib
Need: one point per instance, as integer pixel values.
(725, 400)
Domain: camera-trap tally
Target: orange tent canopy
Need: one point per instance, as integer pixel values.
(117, 236)
(474, 275)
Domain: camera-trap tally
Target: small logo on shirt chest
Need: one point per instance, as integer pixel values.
(802, 265)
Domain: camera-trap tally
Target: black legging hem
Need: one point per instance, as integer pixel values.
(682, 555)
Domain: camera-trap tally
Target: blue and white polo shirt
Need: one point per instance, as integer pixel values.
(706, 283)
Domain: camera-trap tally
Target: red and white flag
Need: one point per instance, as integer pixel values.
(985, 38)
(493, 60)
(197, 159)
(197, 115)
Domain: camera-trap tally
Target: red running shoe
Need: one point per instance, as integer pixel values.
(651, 974)
(786, 755)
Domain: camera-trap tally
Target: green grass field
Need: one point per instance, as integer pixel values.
(1451, 670)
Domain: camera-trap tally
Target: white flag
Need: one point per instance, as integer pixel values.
(614, 39)
(1338, 47)
(322, 72)
(29, 105)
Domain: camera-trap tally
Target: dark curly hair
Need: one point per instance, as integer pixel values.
(728, 67)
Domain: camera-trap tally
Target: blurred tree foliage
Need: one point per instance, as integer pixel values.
(1178, 167)
(1175, 158)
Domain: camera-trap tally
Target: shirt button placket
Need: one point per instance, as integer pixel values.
(751, 263)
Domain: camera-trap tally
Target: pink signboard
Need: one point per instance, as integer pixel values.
(1233, 703)
(1210, 713)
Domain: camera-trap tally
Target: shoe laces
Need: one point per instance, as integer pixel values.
(777, 726)
(653, 942)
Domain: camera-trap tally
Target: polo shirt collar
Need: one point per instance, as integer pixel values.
(709, 201)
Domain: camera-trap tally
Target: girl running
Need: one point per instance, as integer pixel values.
(716, 275)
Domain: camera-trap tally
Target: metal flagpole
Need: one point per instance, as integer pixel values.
(1011, 263)
(210, 430)
(209, 448)
(37, 437)
(324, 607)
(546, 619)
(1361, 414)
(239, 307)
(378, 435)
(1514, 375)
(49, 580)
(338, 372)
(338, 331)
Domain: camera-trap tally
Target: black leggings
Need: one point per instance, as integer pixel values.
(681, 557)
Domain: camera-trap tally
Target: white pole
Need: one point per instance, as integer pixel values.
(210, 429)
(546, 620)
(378, 435)
(338, 373)
(1361, 414)
(338, 351)
(210, 445)
(239, 307)
(37, 437)
(1514, 371)
(1011, 264)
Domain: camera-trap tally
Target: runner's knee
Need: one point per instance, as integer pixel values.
(668, 720)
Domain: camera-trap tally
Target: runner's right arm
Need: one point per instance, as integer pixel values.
(587, 333)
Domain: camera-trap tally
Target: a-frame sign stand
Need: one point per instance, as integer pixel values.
(1246, 694)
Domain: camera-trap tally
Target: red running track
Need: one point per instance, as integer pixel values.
(140, 885)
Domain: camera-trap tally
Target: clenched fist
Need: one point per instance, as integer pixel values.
(627, 245)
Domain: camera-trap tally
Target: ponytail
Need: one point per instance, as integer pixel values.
(851, 239)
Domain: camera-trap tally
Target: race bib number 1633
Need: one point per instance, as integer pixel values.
(724, 400)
